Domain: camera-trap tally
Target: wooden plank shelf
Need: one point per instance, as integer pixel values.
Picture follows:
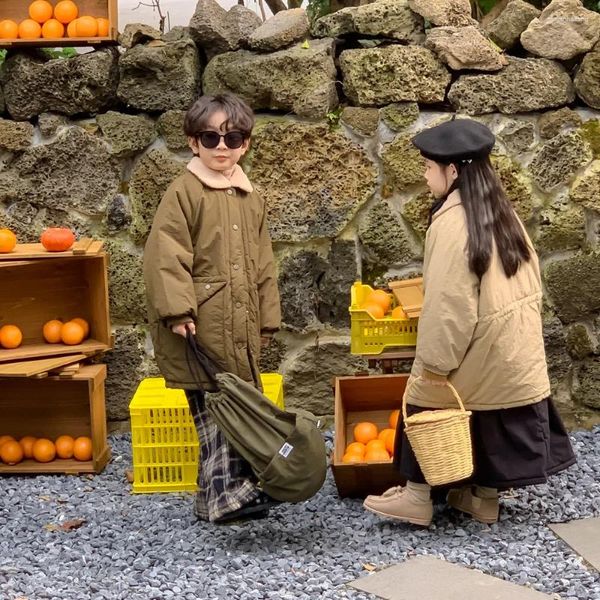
(30, 351)
(24, 252)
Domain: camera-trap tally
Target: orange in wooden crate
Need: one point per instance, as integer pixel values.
(58, 22)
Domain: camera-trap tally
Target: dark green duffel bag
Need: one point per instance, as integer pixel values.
(284, 448)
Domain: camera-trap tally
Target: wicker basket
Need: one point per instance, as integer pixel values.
(441, 441)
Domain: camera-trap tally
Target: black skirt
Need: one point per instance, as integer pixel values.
(512, 447)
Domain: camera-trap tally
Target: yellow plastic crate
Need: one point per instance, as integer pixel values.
(273, 388)
(373, 336)
(164, 439)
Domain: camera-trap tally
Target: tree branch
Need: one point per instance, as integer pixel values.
(276, 5)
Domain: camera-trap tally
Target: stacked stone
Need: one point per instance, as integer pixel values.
(93, 141)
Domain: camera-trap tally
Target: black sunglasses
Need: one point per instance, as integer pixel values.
(211, 139)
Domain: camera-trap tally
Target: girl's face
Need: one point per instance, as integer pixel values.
(439, 177)
(221, 158)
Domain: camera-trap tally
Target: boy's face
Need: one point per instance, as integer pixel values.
(220, 158)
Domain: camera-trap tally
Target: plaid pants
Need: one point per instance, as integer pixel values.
(225, 480)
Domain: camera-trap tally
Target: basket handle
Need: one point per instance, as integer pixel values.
(448, 384)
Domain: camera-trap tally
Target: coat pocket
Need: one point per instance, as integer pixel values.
(211, 314)
(206, 287)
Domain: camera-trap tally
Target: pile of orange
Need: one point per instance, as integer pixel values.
(52, 22)
(370, 444)
(44, 450)
(72, 332)
(379, 305)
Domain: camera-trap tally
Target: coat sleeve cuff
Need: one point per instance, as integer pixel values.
(172, 321)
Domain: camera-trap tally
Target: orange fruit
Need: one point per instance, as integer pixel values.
(82, 448)
(66, 11)
(9, 30)
(352, 457)
(72, 333)
(8, 240)
(27, 443)
(103, 27)
(375, 310)
(11, 452)
(52, 330)
(398, 313)
(380, 297)
(84, 324)
(64, 446)
(40, 11)
(356, 448)
(86, 27)
(384, 433)
(377, 455)
(393, 420)
(29, 29)
(53, 29)
(6, 438)
(72, 28)
(365, 432)
(10, 337)
(390, 442)
(44, 450)
(375, 445)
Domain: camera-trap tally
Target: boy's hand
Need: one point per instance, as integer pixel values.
(265, 340)
(182, 328)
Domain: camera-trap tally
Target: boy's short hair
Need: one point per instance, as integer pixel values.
(240, 116)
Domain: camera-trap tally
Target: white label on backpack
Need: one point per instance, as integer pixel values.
(286, 450)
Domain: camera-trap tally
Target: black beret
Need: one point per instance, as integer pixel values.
(455, 141)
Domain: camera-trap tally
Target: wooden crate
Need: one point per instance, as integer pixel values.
(364, 398)
(55, 406)
(17, 10)
(36, 291)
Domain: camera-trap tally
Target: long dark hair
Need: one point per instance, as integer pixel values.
(490, 216)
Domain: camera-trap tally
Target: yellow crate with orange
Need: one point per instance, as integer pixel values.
(380, 319)
(57, 22)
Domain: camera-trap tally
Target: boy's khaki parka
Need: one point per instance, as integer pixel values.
(209, 259)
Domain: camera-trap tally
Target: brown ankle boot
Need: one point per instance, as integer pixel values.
(399, 504)
(484, 510)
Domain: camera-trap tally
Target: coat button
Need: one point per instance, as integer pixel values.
(207, 286)
(235, 227)
(236, 267)
(238, 305)
(230, 192)
(240, 345)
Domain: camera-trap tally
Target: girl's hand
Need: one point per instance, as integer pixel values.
(182, 328)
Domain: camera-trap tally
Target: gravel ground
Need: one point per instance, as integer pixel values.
(138, 547)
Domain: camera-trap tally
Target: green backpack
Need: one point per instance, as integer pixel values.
(284, 448)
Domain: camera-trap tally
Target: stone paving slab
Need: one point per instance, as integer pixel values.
(583, 536)
(429, 578)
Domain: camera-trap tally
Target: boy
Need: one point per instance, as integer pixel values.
(209, 269)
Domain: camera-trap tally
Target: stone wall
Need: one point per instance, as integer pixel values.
(92, 142)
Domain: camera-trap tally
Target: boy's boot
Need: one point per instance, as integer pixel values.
(479, 502)
(411, 504)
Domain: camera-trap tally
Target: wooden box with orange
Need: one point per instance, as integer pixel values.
(366, 412)
(55, 23)
(53, 307)
(54, 425)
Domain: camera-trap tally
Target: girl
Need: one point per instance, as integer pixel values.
(481, 330)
